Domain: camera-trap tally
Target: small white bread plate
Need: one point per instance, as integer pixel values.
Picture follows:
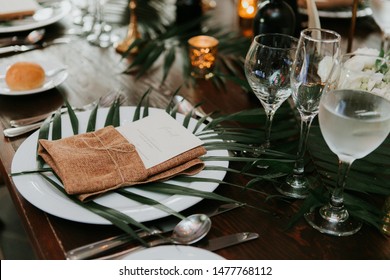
(50, 81)
(173, 252)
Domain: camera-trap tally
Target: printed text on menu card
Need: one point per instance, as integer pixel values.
(158, 138)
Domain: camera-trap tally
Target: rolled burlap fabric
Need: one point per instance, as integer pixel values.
(93, 163)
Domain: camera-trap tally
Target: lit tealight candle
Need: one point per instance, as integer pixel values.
(246, 9)
(203, 55)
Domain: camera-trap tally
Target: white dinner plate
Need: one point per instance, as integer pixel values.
(41, 194)
(51, 12)
(50, 82)
(173, 252)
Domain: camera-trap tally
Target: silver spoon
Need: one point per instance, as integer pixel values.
(32, 38)
(186, 232)
(93, 249)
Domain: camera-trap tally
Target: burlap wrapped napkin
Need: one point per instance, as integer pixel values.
(93, 163)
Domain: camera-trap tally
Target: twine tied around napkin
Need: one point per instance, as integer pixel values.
(93, 163)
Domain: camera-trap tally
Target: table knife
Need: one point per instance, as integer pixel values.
(229, 240)
(17, 131)
(212, 244)
(25, 48)
(18, 48)
(96, 248)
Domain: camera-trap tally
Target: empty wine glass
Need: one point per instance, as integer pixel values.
(354, 118)
(267, 69)
(100, 31)
(81, 10)
(380, 13)
(318, 50)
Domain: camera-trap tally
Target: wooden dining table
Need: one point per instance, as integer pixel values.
(94, 71)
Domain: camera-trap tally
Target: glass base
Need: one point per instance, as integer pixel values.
(326, 221)
(295, 186)
(256, 151)
(101, 36)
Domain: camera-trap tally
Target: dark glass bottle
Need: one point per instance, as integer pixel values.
(274, 16)
(188, 11)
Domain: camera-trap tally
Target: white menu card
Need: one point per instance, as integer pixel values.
(158, 138)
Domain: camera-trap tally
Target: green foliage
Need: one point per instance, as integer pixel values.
(118, 219)
(366, 186)
(169, 41)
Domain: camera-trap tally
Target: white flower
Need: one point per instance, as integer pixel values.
(361, 72)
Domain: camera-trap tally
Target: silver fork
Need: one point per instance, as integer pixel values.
(25, 48)
(25, 125)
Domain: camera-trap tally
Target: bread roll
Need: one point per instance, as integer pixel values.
(25, 76)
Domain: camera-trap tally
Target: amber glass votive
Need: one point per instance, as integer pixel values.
(203, 54)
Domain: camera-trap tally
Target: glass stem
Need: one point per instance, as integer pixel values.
(337, 198)
(299, 166)
(386, 41)
(268, 125)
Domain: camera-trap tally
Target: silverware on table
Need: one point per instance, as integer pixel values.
(99, 247)
(212, 244)
(32, 38)
(24, 48)
(17, 131)
(34, 119)
(188, 231)
(229, 240)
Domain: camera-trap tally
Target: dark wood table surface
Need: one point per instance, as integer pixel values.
(93, 71)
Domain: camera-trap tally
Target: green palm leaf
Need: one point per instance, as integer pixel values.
(148, 201)
(113, 115)
(43, 134)
(92, 119)
(57, 126)
(116, 218)
(368, 181)
(171, 189)
(168, 62)
(171, 39)
(137, 113)
(73, 118)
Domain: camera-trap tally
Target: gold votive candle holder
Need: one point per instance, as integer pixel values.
(246, 10)
(203, 54)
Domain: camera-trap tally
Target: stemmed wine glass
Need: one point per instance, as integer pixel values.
(380, 13)
(100, 31)
(82, 7)
(354, 118)
(318, 50)
(267, 69)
